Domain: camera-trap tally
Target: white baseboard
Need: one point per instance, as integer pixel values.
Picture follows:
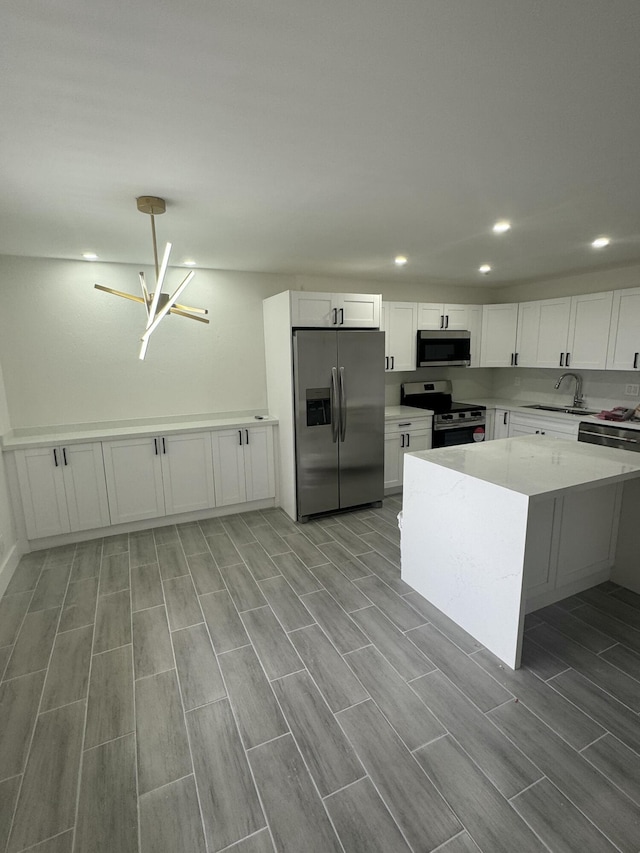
(8, 567)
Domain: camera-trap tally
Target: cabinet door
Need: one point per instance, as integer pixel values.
(624, 337)
(474, 320)
(42, 491)
(528, 333)
(312, 309)
(358, 310)
(589, 330)
(456, 317)
(258, 463)
(401, 327)
(499, 325)
(501, 423)
(85, 486)
(187, 472)
(393, 456)
(417, 440)
(228, 466)
(553, 332)
(430, 315)
(134, 479)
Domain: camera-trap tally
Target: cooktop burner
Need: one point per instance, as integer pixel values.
(437, 397)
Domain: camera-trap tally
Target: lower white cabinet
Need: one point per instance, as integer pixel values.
(402, 437)
(163, 475)
(63, 489)
(501, 423)
(243, 464)
(521, 424)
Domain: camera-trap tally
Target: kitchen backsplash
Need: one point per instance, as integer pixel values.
(601, 388)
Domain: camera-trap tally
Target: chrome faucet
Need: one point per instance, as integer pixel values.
(578, 402)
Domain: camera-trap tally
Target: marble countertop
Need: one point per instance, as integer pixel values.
(522, 406)
(108, 430)
(392, 413)
(536, 465)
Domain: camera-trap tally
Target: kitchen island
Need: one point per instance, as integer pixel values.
(492, 531)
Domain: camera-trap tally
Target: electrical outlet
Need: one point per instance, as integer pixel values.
(632, 390)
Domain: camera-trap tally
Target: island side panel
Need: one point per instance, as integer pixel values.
(626, 569)
(463, 546)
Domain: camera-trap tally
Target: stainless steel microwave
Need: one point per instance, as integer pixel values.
(443, 348)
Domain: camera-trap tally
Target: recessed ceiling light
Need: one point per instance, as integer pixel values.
(90, 256)
(400, 260)
(485, 269)
(189, 263)
(600, 242)
(501, 226)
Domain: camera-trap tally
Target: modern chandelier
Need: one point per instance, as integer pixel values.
(157, 303)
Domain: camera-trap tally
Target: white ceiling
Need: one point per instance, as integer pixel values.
(324, 137)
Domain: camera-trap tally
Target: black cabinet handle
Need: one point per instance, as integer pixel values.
(164, 445)
(561, 359)
(442, 321)
(511, 359)
(386, 362)
(635, 361)
(402, 437)
(64, 455)
(55, 456)
(155, 444)
(504, 419)
(393, 362)
(239, 436)
(246, 434)
(566, 361)
(408, 439)
(446, 321)
(342, 316)
(515, 360)
(335, 316)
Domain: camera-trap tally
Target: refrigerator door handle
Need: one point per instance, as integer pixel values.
(334, 405)
(343, 406)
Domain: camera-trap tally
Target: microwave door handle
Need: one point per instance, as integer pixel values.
(343, 406)
(334, 405)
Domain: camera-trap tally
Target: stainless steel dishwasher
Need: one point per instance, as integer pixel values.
(610, 435)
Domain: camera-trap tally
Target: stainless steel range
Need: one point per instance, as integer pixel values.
(453, 423)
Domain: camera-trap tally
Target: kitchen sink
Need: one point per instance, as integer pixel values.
(567, 410)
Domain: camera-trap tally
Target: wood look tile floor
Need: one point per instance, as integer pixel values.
(249, 684)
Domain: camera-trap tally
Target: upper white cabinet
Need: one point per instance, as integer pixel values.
(63, 489)
(566, 332)
(624, 337)
(335, 310)
(243, 462)
(435, 315)
(163, 475)
(589, 324)
(499, 329)
(400, 325)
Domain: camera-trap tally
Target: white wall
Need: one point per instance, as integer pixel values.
(572, 285)
(70, 352)
(8, 552)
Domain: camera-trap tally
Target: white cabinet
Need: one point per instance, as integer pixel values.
(501, 423)
(400, 325)
(589, 331)
(436, 315)
(63, 489)
(499, 329)
(522, 424)
(329, 310)
(624, 337)
(243, 463)
(553, 333)
(402, 437)
(163, 475)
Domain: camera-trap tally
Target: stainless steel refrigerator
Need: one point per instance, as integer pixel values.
(339, 415)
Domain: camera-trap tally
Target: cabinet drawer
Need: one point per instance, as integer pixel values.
(408, 425)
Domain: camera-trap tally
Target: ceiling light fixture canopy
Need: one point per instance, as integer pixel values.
(400, 260)
(600, 242)
(485, 269)
(157, 303)
(502, 226)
